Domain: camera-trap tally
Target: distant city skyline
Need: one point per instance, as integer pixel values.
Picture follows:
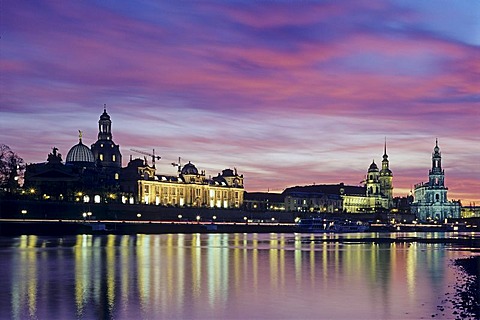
(289, 93)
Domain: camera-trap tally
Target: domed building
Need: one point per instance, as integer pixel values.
(189, 169)
(80, 155)
(378, 196)
(190, 188)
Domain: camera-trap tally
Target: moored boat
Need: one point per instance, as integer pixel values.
(319, 225)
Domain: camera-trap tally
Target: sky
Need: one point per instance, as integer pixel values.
(288, 92)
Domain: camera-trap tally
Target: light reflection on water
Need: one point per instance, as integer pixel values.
(223, 276)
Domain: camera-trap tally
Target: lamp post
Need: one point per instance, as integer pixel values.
(84, 216)
(24, 212)
(198, 219)
(89, 214)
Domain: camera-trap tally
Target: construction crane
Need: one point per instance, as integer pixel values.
(154, 157)
(178, 164)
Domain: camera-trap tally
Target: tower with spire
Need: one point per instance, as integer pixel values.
(386, 178)
(107, 154)
(430, 198)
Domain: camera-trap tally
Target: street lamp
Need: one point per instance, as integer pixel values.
(84, 216)
(139, 215)
(245, 219)
(89, 214)
(24, 212)
(198, 219)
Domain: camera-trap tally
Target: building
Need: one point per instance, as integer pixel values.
(375, 196)
(190, 188)
(263, 201)
(52, 180)
(430, 198)
(106, 153)
(96, 175)
(321, 198)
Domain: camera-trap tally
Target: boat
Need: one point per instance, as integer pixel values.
(320, 225)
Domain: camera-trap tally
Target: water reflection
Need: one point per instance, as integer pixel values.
(221, 276)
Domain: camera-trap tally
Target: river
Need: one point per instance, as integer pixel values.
(226, 276)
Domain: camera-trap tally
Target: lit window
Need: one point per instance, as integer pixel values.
(113, 158)
(116, 176)
(100, 156)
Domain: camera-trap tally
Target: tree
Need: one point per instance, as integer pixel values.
(11, 169)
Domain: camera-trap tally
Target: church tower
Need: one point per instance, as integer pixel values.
(107, 154)
(431, 197)
(436, 174)
(436, 177)
(372, 180)
(386, 177)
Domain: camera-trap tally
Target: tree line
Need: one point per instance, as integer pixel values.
(12, 167)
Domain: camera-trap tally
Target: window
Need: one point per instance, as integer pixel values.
(113, 158)
(100, 156)
(116, 176)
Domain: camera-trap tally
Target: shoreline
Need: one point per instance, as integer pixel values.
(466, 300)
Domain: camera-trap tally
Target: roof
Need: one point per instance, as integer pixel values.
(80, 153)
(263, 196)
(336, 189)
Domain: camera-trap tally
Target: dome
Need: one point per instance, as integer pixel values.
(373, 167)
(189, 168)
(105, 115)
(80, 153)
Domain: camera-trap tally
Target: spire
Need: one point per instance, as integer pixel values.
(436, 149)
(385, 156)
(105, 108)
(80, 135)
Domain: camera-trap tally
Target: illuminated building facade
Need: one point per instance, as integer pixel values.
(430, 198)
(190, 188)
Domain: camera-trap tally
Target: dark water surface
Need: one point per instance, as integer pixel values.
(243, 276)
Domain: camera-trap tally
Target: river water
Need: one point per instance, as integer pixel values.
(225, 276)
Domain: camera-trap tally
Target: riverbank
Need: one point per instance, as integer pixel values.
(466, 300)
